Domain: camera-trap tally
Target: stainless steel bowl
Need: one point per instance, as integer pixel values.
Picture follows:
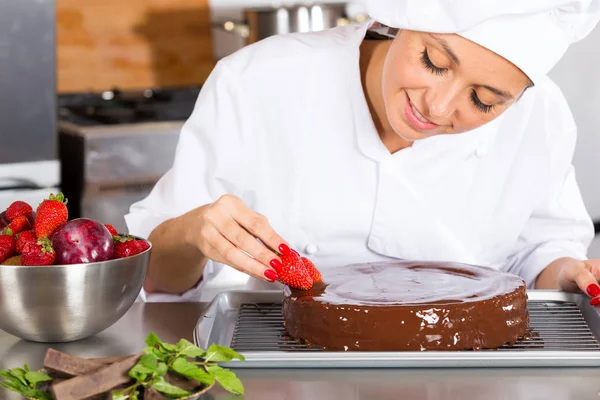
(64, 303)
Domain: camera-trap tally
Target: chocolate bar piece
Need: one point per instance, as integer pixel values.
(66, 365)
(102, 380)
(110, 360)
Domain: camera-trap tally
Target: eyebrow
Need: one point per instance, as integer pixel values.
(499, 92)
(444, 44)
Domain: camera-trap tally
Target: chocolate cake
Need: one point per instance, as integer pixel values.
(414, 306)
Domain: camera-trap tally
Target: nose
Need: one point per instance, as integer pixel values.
(441, 100)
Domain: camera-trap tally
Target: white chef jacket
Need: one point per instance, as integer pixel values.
(284, 125)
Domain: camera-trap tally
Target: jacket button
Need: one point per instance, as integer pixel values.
(311, 249)
(481, 151)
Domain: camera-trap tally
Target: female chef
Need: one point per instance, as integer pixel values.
(446, 142)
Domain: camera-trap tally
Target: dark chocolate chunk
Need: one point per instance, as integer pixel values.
(110, 360)
(101, 381)
(66, 365)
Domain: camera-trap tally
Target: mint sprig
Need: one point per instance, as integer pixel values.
(25, 382)
(185, 359)
(150, 372)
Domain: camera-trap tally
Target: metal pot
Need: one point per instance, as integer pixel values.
(262, 22)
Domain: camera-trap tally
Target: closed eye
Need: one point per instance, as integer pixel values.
(427, 63)
(486, 108)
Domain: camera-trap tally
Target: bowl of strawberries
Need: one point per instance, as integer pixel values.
(63, 280)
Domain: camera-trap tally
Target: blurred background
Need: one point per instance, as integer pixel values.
(94, 92)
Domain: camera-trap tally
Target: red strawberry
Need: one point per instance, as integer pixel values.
(111, 229)
(7, 245)
(293, 272)
(38, 253)
(127, 246)
(19, 208)
(50, 214)
(23, 238)
(19, 224)
(311, 269)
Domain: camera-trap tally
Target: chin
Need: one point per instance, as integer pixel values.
(406, 132)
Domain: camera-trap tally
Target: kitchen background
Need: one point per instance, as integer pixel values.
(94, 93)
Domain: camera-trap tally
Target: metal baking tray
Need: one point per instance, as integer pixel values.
(566, 328)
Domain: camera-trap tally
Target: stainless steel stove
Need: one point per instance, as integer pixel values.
(115, 145)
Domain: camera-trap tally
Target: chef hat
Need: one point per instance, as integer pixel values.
(532, 34)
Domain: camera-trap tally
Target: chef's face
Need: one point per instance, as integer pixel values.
(443, 83)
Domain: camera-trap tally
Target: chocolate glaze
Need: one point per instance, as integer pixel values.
(403, 305)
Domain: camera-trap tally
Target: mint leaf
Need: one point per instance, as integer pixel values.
(140, 372)
(227, 379)
(119, 396)
(191, 371)
(158, 353)
(19, 374)
(149, 361)
(164, 387)
(218, 353)
(162, 369)
(34, 378)
(189, 349)
(37, 394)
(15, 386)
(154, 341)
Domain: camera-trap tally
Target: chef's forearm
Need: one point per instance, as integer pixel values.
(175, 265)
(548, 278)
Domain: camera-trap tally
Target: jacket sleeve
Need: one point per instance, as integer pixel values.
(206, 164)
(560, 225)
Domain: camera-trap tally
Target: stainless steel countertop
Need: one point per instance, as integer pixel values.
(172, 321)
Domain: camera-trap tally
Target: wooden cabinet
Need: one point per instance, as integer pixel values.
(132, 44)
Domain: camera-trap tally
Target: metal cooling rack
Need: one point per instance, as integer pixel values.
(563, 327)
(555, 325)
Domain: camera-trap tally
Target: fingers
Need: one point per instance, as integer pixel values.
(227, 253)
(248, 243)
(229, 232)
(586, 276)
(258, 225)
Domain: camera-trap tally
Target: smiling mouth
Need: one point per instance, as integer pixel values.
(416, 119)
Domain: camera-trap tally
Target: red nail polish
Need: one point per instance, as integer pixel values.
(276, 264)
(593, 290)
(271, 275)
(284, 249)
(295, 252)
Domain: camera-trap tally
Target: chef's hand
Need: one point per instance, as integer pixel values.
(226, 231)
(575, 275)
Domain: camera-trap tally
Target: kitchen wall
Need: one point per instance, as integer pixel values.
(577, 75)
